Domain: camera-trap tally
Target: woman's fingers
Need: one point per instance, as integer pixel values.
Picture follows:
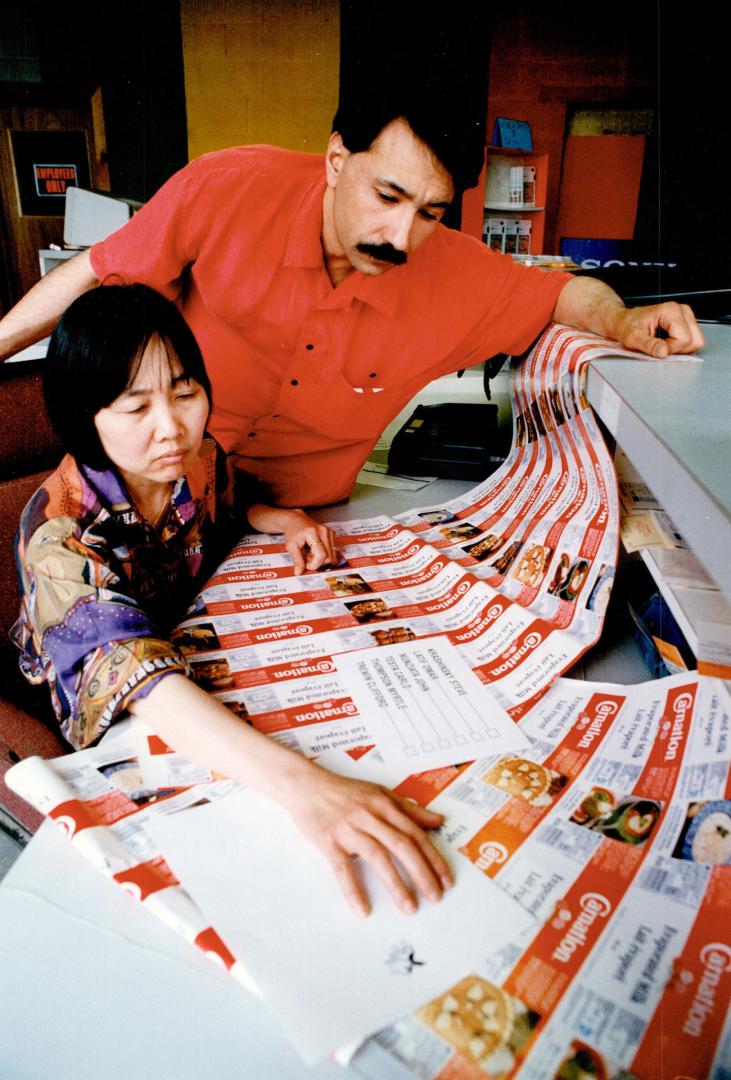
(347, 878)
(380, 861)
(424, 864)
(322, 549)
(346, 818)
(397, 850)
(311, 546)
(297, 556)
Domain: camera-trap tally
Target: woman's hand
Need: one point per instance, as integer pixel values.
(344, 818)
(309, 544)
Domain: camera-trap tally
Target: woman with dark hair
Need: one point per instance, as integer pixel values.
(112, 548)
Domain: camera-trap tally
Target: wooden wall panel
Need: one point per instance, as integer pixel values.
(260, 71)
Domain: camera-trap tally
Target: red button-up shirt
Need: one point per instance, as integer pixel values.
(306, 376)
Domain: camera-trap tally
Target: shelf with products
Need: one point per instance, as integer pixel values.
(653, 410)
(522, 208)
(491, 199)
(492, 196)
(515, 191)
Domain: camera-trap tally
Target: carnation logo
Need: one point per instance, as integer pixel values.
(284, 631)
(682, 704)
(284, 601)
(66, 824)
(716, 955)
(595, 903)
(304, 667)
(254, 551)
(326, 710)
(413, 549)
(268, 574)
(513, 656)
(462, 588)
(716, 959)
(593, 906)
(607, 708)
(495, 611)
(674, 731)
(491, 853)
(593, 726)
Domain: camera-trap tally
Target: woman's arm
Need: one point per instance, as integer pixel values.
(309, 543)
(341, 817)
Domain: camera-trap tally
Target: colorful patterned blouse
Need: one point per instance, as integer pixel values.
(101, 589)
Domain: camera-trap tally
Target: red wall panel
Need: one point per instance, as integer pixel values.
(600, 186)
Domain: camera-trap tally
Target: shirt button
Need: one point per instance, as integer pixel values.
(372, 375)
(308, 347)
(294, 382)
(275, 416)
(252, 434)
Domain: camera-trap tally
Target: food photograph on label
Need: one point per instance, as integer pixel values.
(627, 818)
(348, 585)
(526, 780)
(484, 1023)
(706, 833)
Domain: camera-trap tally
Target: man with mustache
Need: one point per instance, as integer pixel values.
(324, 293)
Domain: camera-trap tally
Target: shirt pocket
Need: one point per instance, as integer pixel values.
(348, 413)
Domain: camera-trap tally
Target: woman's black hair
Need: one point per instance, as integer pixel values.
(94, 355)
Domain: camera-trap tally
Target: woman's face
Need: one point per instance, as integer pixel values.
(153, 430)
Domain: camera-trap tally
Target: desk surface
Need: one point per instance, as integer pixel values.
(94, 986)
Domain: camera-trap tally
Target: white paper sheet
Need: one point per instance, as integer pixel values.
(378, 476)
(425, 707)
(330, 977)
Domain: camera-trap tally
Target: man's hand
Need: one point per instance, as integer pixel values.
(310, 544)
(344, 818)
(590, 304)
(637, 329)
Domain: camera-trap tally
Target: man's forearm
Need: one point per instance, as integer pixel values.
(589, 304)
(658, 330)
(38, 312)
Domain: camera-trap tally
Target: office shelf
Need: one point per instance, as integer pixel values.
(671, 420)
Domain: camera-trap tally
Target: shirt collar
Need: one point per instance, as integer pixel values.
(304, 243)
(383, 291)
(109, 488)
(399, 285)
